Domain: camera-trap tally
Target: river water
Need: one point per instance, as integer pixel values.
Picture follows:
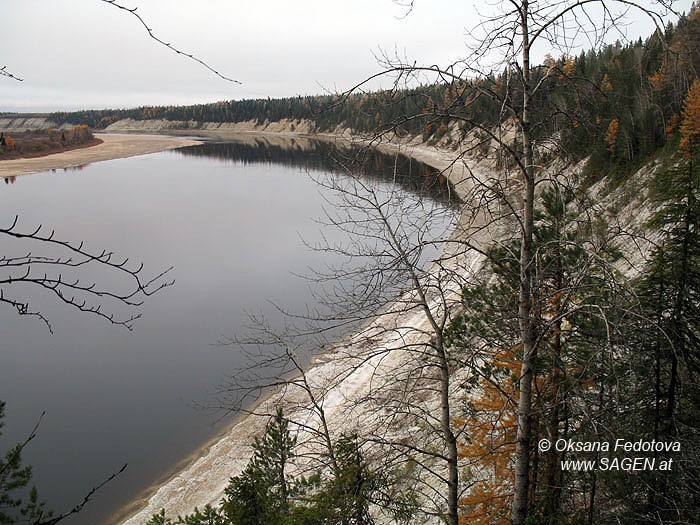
(235, 220)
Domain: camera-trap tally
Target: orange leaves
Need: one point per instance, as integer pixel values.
(440, 132)
(9, 143)
(690, 125)
(611, 135)
(79, 134)
(660, 79)
(672, 125)
(605, 84)
(447, 96)
(490, 429)
(486, 508)
(429, 105)
(569, 67)
(489, 426)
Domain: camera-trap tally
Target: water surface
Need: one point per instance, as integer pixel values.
(229, 218)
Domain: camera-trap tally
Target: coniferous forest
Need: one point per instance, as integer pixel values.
(616, 105)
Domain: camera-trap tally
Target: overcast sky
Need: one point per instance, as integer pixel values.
(87, 54)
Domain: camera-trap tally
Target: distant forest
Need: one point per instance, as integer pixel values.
(617, 105)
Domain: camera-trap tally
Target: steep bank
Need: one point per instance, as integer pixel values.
(192, 126)
(285, 127)
(440, 154)
(15, 124)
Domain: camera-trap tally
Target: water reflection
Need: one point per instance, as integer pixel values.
(114, 396)
(11, 179)
(316, 155)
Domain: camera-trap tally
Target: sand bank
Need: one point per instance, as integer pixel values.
(203, 479)
(112, 147)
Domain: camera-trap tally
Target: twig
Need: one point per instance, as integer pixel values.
(5, 73)
(166, 44)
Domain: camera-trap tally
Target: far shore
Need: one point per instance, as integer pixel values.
(112, 147)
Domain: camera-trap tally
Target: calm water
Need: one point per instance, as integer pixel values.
(230, 219)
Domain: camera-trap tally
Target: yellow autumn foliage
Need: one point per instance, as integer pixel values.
(690, 125)
(611, 135)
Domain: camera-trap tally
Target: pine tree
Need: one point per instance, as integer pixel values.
(344, 499)
(18, 502)
(575, 284)
(261, 493)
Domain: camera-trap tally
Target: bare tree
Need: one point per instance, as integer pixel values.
(503, 45)
(396, 291)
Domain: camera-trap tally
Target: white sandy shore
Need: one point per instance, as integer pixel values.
(203, 480)
(112, 147)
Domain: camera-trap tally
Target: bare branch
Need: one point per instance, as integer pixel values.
(151, 34)
(88, 297)
(5, 73)
(76, 509)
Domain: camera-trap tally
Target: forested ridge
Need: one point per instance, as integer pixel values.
(617, 105)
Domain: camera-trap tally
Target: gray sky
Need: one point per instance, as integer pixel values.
(87, 54)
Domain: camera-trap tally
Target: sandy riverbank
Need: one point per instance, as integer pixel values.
(202, 480)
(112, 147)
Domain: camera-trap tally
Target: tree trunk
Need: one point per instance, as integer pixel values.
(444, 366)
(450, 441)
(525, 310)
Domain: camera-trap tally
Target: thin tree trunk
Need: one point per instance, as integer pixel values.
(553, 485)
(444, 366)
(450, 441)
(525, 310)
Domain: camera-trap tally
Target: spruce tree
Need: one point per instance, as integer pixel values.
(261, 493)
(19, 502)
(669, 292)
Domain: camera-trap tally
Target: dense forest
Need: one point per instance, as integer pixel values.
(604, 342)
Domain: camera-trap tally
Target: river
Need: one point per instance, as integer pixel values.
(235, 220)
